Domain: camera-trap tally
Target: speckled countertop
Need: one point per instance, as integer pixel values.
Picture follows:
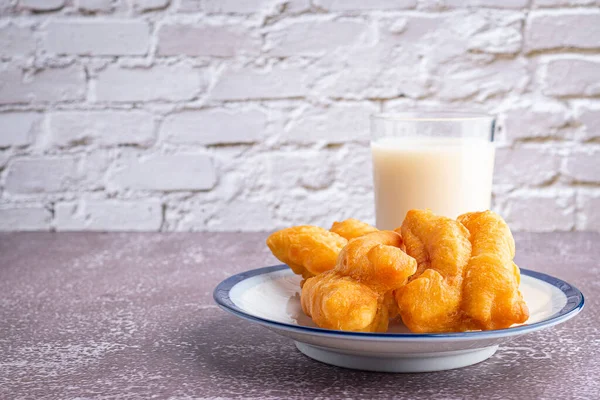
(91, 315)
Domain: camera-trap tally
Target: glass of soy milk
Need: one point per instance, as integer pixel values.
(443, 161)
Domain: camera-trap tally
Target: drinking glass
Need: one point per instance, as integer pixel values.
(442, 161)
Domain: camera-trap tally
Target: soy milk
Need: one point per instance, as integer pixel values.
(450, 176)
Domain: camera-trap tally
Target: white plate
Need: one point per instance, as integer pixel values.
(270, 296)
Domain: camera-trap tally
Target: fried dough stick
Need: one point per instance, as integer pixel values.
(431, 301)
(354, 296)
(308, 250)
(352, 228)
(491, 297)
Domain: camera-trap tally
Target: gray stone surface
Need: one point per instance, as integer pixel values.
(94, 315)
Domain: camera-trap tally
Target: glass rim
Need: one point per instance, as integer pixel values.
(433, 116)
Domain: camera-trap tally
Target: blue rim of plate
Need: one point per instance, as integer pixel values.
(574, 305)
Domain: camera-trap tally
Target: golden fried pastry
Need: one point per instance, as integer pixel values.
(438, 274)
(308, 250)
(355, 295)
(376, 259)
(339, 302)
(430, 302)
(466, 278)
(491, 297)
(352, 228)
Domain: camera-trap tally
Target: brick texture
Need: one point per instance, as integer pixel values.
(590, 119)
(104, 128)
(102, 215)
(95, 5)
(245, 83)
(103, 38)
(536, 119)
(205, 127)
(254, 114)
(42, 5)
(324, 36)
(584, 165)
(506, 4)
(544, 211)
(354, 5)
(24, 217)
(227, 216)
(524, 166)
(243, 6)
(150, 5)
(572, 77)
(341, 123)
(588, 203)
(16, 40)
(41, 175)
(555, 30)
(161, 82)
(5, 155)
(174, 172)
(54, 175)
(564, 3)
(218, 41)
(46, 85)
(18, 128)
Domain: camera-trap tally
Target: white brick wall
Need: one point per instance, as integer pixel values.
(24, 217)
(102, 215)
(253, 114)
(589, 117)
(583, 165)
(314, 37)
(95, 5)
(103, 128)
(216, 40)
(48, 85)
(572, 77)
(531, 165)
(554, 30)
(96, 37)
(41, 5)
(261, 83)
(588, 202)
(546, 210)
(16, 40)
(340, 122)
(214, 126)
(164, 172)
(157, 83)
(18, 128)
